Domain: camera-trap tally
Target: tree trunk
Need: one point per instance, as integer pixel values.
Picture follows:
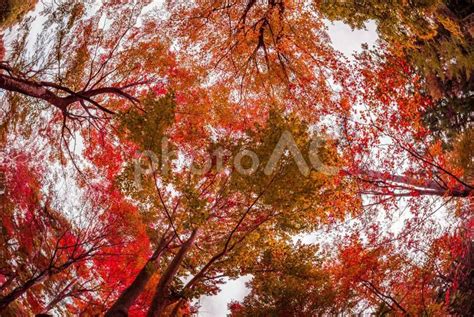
(422, 187)
(61, 295)
(32, 89)
(177, 307)
(40, 90)
(163, 296)
(130, 294)
(20, 290)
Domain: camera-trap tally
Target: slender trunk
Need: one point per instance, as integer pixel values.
(62, 295)
(176, 308)
(20, 290)
(46, 273)
(376, 176)
(130, 294)
(162, 296)
(422, 187)
(172, 300)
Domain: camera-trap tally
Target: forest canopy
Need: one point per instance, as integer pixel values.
(152, 152)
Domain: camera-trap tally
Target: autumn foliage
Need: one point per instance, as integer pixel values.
(151, 152)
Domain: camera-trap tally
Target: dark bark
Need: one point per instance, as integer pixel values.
(32, 89)
(20, 290)
(163, 296)
(131, 293)
(51, 270)
(41, 90)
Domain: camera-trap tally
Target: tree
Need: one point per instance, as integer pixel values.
(396, 282)
(389, 128)
(77, 85)
(225, 51)
(189, 139)
(430, 34)
(435, 38)
(40, 245)
(288, 281)
(214, 218)
(274, 50)
(455, 285)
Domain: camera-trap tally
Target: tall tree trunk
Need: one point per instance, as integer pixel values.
(162, 295)
(130, 294)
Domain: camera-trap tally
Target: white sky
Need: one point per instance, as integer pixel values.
(348, 41)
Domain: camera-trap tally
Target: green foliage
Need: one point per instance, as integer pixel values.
(464, 152)
(289, 281)
(450, 117)
(146, 126)
(433, 34)
(287, 189)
